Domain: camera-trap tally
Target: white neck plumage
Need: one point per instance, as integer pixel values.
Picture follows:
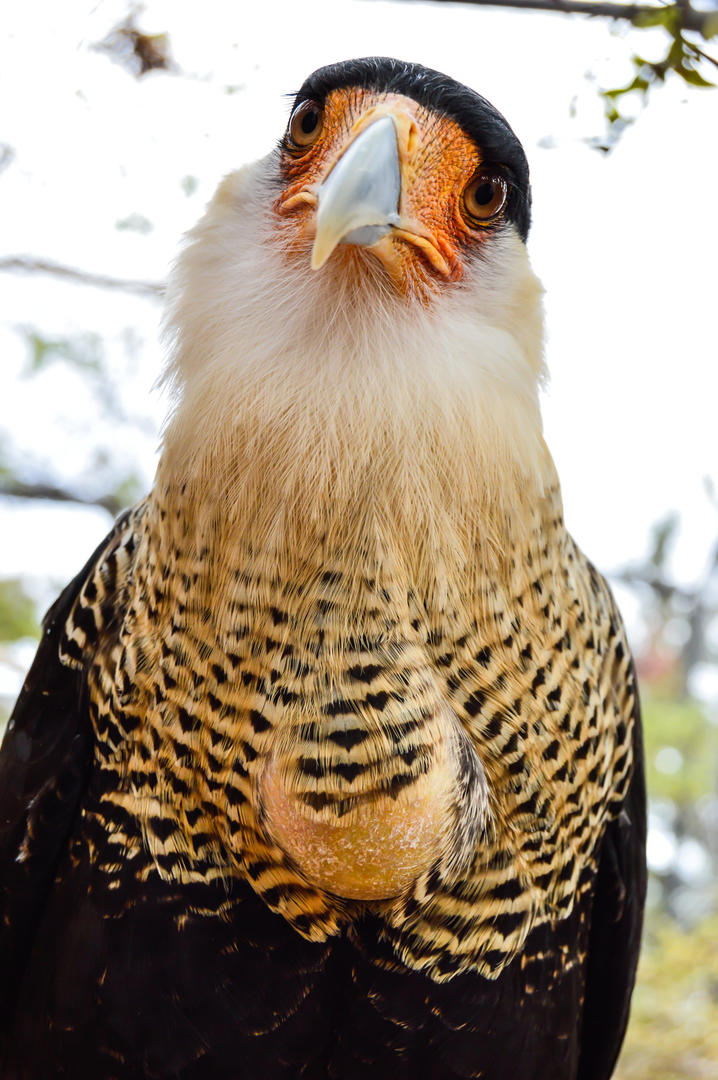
(324, 405)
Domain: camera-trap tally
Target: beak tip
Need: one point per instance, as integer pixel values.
(319, 256)
(358, 198)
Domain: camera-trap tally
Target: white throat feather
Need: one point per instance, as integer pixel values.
(324, 407)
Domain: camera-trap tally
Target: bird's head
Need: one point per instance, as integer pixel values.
(356, 326)
(399, 160)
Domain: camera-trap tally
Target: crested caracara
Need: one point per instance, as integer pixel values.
(329, 762)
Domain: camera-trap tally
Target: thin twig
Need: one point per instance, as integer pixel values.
(703, 55)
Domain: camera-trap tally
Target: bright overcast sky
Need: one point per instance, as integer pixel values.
(625, 244)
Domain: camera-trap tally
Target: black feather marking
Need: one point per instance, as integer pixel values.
(349, 737)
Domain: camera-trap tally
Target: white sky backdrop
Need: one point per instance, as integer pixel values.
(625, 244)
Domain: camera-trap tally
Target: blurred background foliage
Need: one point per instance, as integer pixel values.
(674, 1028)
(674, 1025)
(686, 29)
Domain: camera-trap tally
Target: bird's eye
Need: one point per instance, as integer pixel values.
(305, 124)
(484, 198)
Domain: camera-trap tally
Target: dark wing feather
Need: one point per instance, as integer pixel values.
(44, 764)
(616, 922)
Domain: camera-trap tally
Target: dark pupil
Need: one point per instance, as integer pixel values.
(309, 121)
(484, 193)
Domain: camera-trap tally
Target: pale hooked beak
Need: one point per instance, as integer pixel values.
(359, 199)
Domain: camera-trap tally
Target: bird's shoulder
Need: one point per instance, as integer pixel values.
(46, 751)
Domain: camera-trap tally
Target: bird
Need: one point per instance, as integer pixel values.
(329, 761)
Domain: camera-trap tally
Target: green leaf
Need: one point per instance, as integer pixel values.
(669, 16)
(612, 113)
(675, 54)
(637, 83)
(690, 75)
(710, 25)
(659, 17)
(41, 349)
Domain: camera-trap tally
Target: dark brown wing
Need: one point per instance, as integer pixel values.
(616, 922)
(44, 764)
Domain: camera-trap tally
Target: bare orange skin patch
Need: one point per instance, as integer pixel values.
(373, 852)
(437, 163)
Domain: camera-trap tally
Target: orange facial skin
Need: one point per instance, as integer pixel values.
(437, 163)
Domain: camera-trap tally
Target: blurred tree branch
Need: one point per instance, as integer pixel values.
(682, 23)
(694, 604)
(697, 21)
(30, 265)
(19, 489)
